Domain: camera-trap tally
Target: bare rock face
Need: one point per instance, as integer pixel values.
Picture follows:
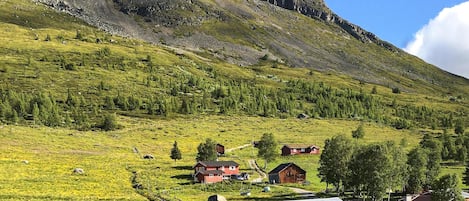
(318, 9)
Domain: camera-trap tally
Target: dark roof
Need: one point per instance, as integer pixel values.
(220, 145)
(217, 163)
(284, 166)
(427, 196)
(300, 146)
(214, 172)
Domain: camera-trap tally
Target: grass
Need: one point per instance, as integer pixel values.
(108, 159)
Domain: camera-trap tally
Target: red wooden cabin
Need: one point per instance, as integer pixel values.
(294, 149)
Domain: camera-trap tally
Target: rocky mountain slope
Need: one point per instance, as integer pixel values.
(299, 33)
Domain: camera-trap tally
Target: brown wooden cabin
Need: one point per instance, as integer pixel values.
(287, 173)
(220, 149)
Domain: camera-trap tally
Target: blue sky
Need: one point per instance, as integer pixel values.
(435, 30)
(394, 21)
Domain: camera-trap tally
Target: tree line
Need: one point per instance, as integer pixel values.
(213, 93)
(376, 169)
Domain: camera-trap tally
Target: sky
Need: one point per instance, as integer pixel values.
(435, 30)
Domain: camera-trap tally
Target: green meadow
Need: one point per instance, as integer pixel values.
(37, 162)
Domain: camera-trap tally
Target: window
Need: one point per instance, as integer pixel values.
(232, 167)
(302, 149)
(210, 175)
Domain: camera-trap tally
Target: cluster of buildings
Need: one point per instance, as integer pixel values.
(217, 171)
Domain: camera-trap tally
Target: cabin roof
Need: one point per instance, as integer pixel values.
(284, 166)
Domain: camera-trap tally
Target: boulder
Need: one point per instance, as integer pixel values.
(302, 116)
(216, 198)
(78, 171)
(148, 156)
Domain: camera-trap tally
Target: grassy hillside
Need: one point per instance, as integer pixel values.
(241, 32)
(109, 160)
(59, 77)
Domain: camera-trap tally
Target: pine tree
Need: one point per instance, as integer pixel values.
(36, 114)
(175, 152)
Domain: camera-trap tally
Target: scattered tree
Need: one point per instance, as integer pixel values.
(459, 127)
(449, 150)
(433, 148)
(48, 38)
(369, 176)
(396, 90)
(207, 151)
(374, 90)
(175, 152)
(79, 35)
(446, 189)
(335, 157)
(465, 179)
(267, 148)
(359, 133)
(109, 122)
(398, 168)
(417, 162)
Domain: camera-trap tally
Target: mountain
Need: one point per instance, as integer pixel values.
(97, 85)
(298, 33)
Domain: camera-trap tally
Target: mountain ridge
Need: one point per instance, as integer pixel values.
(242, 32)
(318, 9)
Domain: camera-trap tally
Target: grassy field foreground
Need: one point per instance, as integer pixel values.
(36, 163)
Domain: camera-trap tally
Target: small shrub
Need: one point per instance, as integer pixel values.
(104, 52)
(79, 35)
(396, 90)
(402, 124)
(265, 57)
(70, 66)
(109, 122)
(60, 37)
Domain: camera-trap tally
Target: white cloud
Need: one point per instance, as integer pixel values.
(444, 41)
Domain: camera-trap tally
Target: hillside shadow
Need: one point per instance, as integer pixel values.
(187, 179)
(182, 176)
(183, 167)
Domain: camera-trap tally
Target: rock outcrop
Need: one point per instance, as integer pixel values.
(318, 9)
